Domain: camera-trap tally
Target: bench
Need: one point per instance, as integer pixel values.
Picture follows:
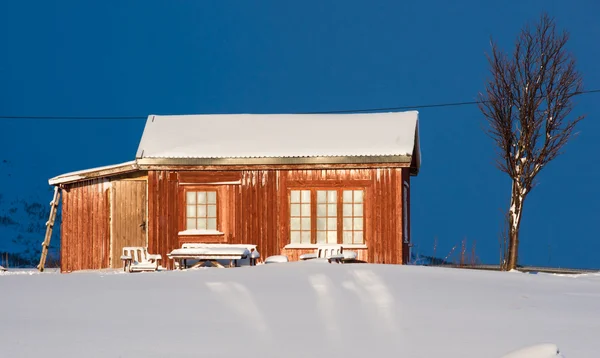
(212, 253)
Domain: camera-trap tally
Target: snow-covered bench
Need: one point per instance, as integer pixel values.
(137, 258)
(331, 253)
(213, 253)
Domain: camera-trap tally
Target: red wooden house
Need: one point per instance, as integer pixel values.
(285, 183)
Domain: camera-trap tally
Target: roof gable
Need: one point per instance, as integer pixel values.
(280, 135)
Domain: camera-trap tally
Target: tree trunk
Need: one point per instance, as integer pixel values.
(514, 222)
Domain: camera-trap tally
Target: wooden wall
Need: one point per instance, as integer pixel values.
(85, 226)
(163, 214)
(255, 209)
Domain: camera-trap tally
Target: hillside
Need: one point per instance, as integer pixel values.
(23, 219)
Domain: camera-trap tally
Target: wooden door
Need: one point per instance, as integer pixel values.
(128, 217)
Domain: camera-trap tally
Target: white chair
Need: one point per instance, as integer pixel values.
(137, 258)
(331, 252)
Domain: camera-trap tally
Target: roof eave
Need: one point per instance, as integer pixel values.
(94, 173)
(278, 160)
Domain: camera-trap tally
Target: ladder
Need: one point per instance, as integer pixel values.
(49, 226)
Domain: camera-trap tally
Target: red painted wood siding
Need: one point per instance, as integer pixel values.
(163, 209)
(253, 209)
(256, 211)
(85, 232)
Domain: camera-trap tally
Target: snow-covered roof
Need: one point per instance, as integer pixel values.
(280, 136)
(94, 173)
(246, 139)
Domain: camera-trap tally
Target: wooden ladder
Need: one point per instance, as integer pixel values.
(49, 226)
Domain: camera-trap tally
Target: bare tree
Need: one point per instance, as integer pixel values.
(527, 104)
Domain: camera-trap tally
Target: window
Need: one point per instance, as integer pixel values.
(201, 210)
(327, 216)
(300, 227)
(353, 217)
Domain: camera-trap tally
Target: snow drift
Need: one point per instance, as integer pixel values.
(299, 309)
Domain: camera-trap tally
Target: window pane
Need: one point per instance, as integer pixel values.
(212, 211)
(306, 223)
(295, 210)
(212, 224)
(190, 197)
(295, 237)
(305, 209)
(305, 237)
(321, 237)
(212, 197)
(321, 224)
(322, 210)
(347, 223)
(331, 196)
(201, 197)
(295, 196)
(358, 224)
(358, 209)
(295, 223)
(358, 196)
(201, 224)
(306, 196)
(190, 224)
(358, 237)
(347, 237)
(347, 209)
(331, 224)
(347, 196)
(321, 196)
(331, 210)
(201, 211)
(191, 211)
(331, 237)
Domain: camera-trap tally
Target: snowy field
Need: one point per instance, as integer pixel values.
(300, 309)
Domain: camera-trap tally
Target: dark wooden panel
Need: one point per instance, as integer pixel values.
(199, 177)
(128, 217)
(163, 209)
(406, 246)
(84, 230)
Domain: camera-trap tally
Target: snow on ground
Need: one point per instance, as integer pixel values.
(299, 309)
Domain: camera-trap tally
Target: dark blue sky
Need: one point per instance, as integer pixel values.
(133, 58)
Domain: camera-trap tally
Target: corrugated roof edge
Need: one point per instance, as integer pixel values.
(276, 160)
(97, 172)
(139, 164)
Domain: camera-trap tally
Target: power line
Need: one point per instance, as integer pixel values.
(359, 110)
(74, 117)
(451, 104)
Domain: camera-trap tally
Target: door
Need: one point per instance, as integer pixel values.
(128, 217)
